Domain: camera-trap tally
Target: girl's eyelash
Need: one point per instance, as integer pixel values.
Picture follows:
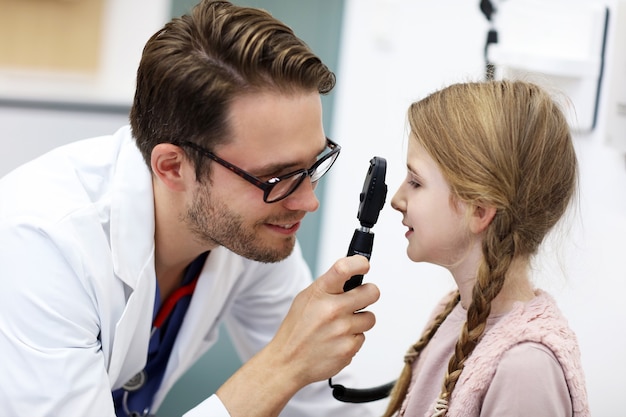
(412, 179)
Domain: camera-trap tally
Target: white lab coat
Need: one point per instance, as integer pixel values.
(77, 288)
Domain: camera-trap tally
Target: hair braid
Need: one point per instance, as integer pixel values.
(498, 249)
(502, 144)
(402, 384)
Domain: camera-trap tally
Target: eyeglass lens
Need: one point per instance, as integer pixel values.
(288, 185)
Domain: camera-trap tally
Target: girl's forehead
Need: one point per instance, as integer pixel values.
(423, 166)
(418, 158)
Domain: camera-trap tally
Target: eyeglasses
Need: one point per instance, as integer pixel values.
(278, 188)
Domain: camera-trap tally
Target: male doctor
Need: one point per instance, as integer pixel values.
(121, 255)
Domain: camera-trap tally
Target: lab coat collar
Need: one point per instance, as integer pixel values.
(132, 214)
(132, 251)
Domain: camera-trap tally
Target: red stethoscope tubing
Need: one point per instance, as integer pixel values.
(164, 311)
(170, 302)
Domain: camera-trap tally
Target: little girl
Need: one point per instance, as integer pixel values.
(491, 168)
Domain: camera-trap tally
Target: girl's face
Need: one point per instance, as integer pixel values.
(438, 232)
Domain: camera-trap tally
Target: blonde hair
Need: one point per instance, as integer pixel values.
(504, 144)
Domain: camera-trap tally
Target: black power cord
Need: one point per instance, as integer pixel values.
(492, 37)
(360, 395)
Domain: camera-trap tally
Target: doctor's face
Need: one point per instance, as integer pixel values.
(273, 135)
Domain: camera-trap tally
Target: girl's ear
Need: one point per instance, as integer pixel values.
(481, 218)
(168, 165)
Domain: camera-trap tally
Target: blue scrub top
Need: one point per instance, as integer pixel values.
(162, 340)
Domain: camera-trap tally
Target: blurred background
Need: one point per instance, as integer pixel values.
(67, 72)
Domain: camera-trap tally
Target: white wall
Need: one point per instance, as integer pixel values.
(28, 132)
(56, 108)
(397, 51)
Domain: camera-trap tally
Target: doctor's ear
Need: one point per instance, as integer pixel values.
(170, 165)
(481, 217)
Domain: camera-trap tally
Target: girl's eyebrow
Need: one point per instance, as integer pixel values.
(413, 172)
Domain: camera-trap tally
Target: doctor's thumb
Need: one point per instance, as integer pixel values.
(332, 282)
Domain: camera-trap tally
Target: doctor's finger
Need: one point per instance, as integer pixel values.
(333, 280)
(362, 322)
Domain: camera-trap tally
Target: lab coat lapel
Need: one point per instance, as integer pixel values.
(132, 246)
(132, 332)
(132, 215)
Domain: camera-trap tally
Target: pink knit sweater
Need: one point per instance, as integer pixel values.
(538, 321)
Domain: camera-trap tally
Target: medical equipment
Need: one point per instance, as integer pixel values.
(372, 199)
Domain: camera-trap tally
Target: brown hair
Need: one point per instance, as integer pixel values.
(197, 64)
(505, 144)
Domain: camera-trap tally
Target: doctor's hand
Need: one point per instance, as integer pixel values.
(320, 335)
(325, 326)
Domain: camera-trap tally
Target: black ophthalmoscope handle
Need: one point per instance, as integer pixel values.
(361, 244)
(372, 199)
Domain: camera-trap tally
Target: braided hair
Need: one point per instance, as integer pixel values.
(504, 144)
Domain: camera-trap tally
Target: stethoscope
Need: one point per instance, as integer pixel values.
(134, 384)
(139, 380)
(341, 393)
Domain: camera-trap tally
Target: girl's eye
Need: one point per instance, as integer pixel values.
(413, 180)
(414, 183)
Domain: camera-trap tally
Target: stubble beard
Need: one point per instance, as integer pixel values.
(211, 222)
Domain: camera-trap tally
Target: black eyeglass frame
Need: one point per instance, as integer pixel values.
(268, 186)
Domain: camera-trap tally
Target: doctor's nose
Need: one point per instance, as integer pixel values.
(303, 198)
